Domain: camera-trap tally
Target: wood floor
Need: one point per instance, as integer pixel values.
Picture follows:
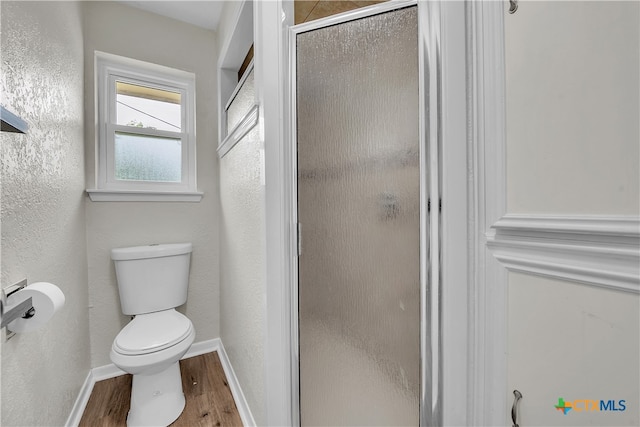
(209, 399)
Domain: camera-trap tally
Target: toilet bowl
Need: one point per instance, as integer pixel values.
(151, 341)
(150, 347)
(152, 281)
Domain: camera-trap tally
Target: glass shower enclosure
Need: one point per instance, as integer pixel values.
(360, 210)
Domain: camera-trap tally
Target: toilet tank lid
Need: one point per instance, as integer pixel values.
(150, 251)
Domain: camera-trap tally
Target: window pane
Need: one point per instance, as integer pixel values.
(146, 107)
(147, 158)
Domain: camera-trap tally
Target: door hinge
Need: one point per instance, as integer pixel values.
(439, 205)
(299, 231)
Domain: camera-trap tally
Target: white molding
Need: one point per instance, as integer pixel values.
(602, 251)
(105, 372)
(272, 21)
(112, 68)
(81, 401)
(291, 176)
(234, 386)
(240, 84)
(135, 65)
(488, 292)
(456, 288)
(248, 122)
(609, 227)
(202, 347)
(101, 195)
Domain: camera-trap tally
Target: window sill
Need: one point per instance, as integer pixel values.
(100, 195)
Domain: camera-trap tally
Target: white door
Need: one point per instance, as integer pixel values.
(572, 206)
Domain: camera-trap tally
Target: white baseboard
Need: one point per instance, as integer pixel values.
(111, 371)
(81, 401)
(203, 347)
(105, 372)
(234, 386)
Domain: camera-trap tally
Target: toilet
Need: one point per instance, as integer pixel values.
(152, 282)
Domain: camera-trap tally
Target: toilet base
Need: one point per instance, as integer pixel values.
(157, 399)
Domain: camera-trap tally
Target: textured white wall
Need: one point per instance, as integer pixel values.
(43, 215)
(242, 282)
(242, 257)
(114, 28)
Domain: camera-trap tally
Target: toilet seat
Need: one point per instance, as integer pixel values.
(152, 332)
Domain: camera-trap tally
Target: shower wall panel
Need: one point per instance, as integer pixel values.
(358, 205)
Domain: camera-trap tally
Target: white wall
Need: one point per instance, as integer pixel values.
(43, 215)
(584, 346)
(242, 268)
(242, 255)
(114, 28)
(572, 108)
(573, 148)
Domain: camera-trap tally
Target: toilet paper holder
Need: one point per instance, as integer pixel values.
(23, 309)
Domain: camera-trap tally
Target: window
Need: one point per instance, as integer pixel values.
(146, 131)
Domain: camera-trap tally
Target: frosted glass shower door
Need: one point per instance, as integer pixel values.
(359, 210)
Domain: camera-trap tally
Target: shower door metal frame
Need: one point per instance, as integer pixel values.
(430, 135)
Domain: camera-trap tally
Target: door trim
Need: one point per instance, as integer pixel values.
(487, 335)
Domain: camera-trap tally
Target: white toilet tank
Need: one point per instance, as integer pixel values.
(152, 278)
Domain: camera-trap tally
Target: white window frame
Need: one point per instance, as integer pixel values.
(111, 68)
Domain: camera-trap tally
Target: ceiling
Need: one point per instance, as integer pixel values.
(205, 14)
